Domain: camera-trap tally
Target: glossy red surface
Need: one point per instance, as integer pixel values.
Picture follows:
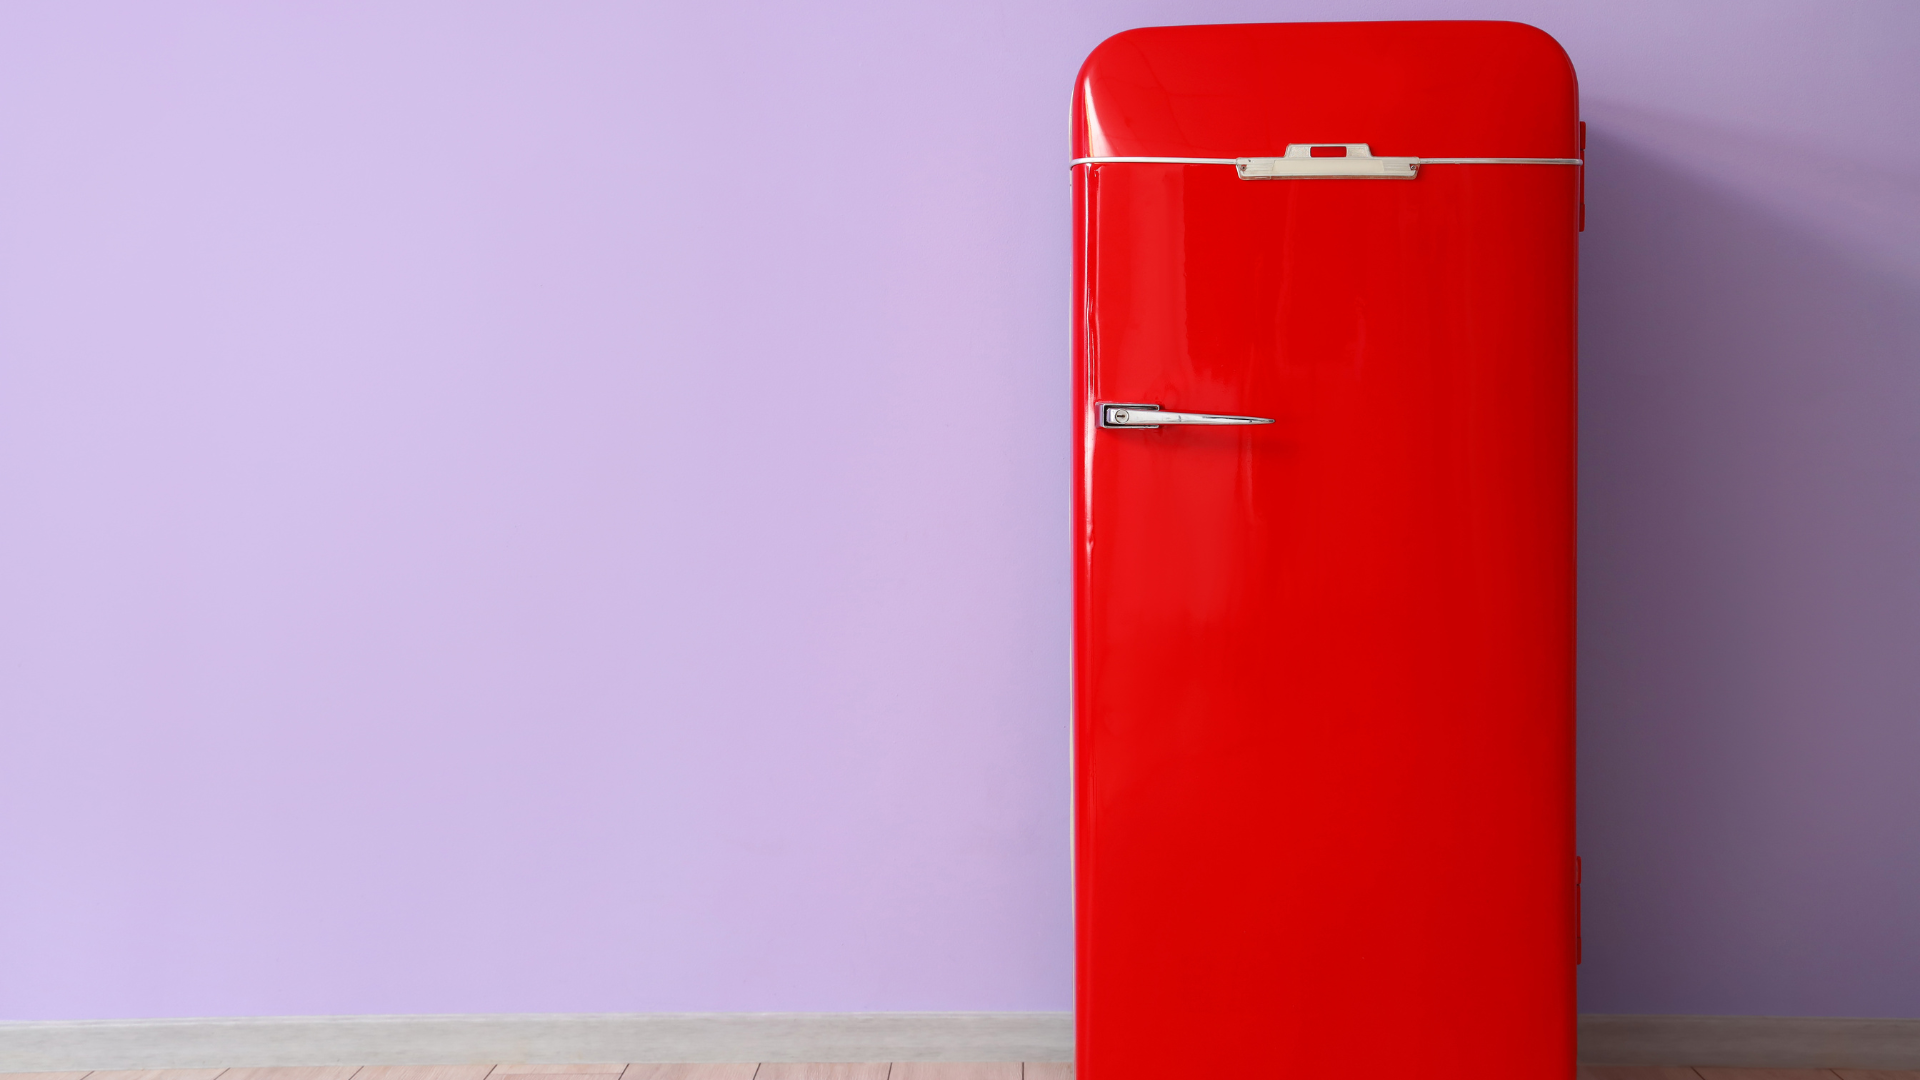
(1324, 730)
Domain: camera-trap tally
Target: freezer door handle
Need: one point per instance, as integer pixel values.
(1122, 414)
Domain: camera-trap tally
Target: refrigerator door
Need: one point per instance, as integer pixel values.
(1323, 665)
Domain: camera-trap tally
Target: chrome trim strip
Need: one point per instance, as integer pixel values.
(1423, 161)
(1501, 161)
(1154, 160)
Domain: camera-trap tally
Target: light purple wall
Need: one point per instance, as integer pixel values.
(480, 532)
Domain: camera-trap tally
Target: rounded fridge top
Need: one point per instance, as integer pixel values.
(1420, 89)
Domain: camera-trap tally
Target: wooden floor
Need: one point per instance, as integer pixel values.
(880, 1071)
(899, 1070)
(1713, 1073)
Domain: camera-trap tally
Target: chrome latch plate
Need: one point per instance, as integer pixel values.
(1356, 162)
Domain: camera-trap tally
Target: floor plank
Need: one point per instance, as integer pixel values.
(1637, 1072)
(1715, 1072)
(1878, 1074)
(523, 1069)
(1048, 1070)
(293, 1072)
(716, 1071)
(781, 1070)
(955, 1070)
(157, 1074)
(44, 1076)
(424, 1072)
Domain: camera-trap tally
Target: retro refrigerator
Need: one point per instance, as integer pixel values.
(1324, 361)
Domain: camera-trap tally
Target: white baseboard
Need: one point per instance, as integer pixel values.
(63, 1045)
(1761, 1042)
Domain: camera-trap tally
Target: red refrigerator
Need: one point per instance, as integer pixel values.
(1324, 545)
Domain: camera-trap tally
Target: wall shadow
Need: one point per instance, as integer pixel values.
(1750, 606)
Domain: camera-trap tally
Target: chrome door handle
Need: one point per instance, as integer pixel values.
(1116, 414)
